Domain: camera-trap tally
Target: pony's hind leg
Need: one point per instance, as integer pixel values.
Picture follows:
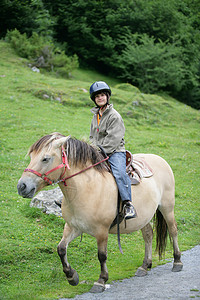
(173, 232)
(68, 235)
(147, 234)
(99, 286)
(172, 227)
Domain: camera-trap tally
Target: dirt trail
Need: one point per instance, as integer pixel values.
(160, 283)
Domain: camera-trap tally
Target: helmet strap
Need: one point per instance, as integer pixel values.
(104, 106)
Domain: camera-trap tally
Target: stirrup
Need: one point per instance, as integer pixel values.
(129, 211)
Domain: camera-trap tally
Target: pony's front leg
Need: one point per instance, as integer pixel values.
(69, 234)
(147, 233)
(99, 286)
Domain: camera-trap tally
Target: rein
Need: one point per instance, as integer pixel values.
(64, 164)
(85, 169)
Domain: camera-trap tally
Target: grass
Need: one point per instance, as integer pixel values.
(30, 267)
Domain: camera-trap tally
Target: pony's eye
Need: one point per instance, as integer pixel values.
(46, 159)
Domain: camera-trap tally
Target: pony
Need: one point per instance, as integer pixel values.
(90, 197)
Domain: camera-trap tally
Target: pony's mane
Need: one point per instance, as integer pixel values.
(78, 152)
(44, 141)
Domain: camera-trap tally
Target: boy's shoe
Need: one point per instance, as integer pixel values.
(129, 210)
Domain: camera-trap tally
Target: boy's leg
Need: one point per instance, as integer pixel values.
(118, 165)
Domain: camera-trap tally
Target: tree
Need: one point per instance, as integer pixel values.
(16, 14)
(151, 66)
(27, 16)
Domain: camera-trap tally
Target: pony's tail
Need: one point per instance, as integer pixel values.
(160, 226)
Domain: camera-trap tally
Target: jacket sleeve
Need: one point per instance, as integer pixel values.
(115, 134)
(92, 131)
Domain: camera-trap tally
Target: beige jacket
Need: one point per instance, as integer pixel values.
(110, 132)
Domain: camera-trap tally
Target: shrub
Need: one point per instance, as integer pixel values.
(18, 41)
(63, 64)
(151, 66)
(42, 53)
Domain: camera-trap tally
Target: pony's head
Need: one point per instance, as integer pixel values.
(45, 155)
(50, 157)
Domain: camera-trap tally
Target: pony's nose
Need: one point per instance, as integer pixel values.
(22, 187)
(26, 190)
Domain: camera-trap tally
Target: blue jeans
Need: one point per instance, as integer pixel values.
(118, 166)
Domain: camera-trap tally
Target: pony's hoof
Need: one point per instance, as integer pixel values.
(74, 280)
(177, 267)
(141, 272)
(98, 288)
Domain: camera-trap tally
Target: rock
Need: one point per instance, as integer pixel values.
(45, 200)
(84, 90)
(45, 96)
(34, 69)
(58, 99)
(135, 103)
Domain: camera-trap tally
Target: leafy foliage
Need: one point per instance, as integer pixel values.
(105, 34)
(27, 16)
(42, 53)
(151, 66)
(125, 38)
(17, 14)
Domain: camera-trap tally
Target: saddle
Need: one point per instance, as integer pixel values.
(137, 168)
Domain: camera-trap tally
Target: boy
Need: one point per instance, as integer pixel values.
(107, 130)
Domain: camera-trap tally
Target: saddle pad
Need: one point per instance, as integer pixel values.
(138, 169)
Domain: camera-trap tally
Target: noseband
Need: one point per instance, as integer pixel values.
(64, 164)
(44, 176)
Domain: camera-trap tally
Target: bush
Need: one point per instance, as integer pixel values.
(151, 66)
(63, 64)
(42, 53)
(18, 41)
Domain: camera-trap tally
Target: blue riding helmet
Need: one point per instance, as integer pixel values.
(97, 87)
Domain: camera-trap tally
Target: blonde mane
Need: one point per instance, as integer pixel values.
(78, 152)
(44, 142)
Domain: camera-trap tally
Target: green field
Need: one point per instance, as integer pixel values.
(30, 267)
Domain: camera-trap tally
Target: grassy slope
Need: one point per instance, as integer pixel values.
(30, 267)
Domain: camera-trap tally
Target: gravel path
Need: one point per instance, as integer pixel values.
(160, 283)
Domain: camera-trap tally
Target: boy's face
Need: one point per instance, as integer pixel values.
(101, 99)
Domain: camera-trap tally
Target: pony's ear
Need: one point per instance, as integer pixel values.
(59, 142)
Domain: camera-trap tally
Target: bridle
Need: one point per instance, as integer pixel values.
(64, 164)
